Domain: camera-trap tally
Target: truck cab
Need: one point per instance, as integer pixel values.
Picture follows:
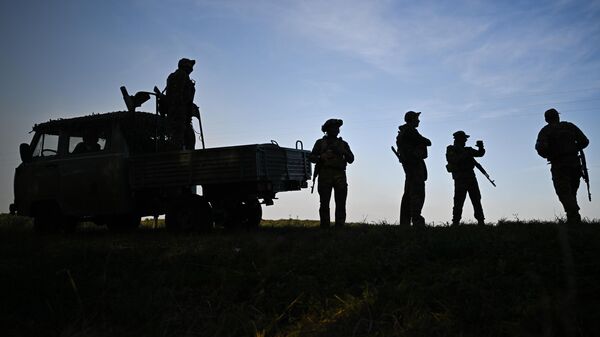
(63, 180)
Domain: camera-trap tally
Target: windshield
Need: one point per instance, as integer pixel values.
(46, 146)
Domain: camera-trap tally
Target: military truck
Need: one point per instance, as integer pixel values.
(114, 168)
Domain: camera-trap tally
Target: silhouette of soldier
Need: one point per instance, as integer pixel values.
(560, 143)
(89, 143)
(412, 151)
(180, 92)
(461, 163)
(331, 154)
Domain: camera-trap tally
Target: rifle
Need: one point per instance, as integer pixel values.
(396, 153)
(314, 178)
(584, 173)
(196, 113)
(482, 170)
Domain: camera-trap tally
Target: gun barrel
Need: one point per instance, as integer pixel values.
(584, 172)
(485, 174)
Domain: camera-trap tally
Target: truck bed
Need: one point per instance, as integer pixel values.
(284, 168)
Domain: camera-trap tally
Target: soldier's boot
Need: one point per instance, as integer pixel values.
(340, 216)
(340, 222)
(324, 217)
(573, 218)
(455, 222)
(418, 221)
(480, 222)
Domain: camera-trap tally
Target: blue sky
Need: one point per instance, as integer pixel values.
(278, 69)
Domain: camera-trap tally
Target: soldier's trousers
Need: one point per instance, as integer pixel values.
(332, 180)
(566, 179)
(463, 186)
(413, 198)
(182, 134)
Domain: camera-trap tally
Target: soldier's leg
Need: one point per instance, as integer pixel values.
(405, 204)
(475, 196)
(189, 137)
(460, 194)
(177, 134)
(574, 216)
(341, 193)
(324, 189)
(417, 200)
(563, 181)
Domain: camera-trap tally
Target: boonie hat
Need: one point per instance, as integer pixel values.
(331, 122)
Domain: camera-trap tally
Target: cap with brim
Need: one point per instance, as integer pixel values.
(186, 62)
(551, 113)
(460, 134)
(411, 115)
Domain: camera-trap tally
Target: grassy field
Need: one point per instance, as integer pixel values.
(291, 278)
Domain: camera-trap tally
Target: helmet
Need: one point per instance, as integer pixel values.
(411, 116)
(331, 123)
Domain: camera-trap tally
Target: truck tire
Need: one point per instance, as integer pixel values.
(242, 214)
(252, 212)
(46, 223)
(123, 223)
(191, 212)
(47, 219)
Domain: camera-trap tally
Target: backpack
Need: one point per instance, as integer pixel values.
(401, 152)
(450, 167)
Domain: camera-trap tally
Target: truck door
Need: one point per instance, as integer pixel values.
(92, 176)
(39, 180)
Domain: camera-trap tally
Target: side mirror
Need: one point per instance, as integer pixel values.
(25, 151)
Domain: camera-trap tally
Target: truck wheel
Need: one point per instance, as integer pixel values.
(47, 220)
(46, 223)
(252, 213)
(192, 212)
(69, 224)
(123, 223)
(242, 214)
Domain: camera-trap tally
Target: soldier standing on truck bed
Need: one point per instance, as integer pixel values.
(461, 163)
(560, 143)
(412, 151)
(331, 154)
(180, 92)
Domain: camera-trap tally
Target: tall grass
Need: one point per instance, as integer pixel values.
(294, 279)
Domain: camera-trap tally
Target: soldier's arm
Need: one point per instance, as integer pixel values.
(315, 155)
(348, 155)
(422, 140)
(541, 144)
(175, 86)
(479, 152)
(582, 140)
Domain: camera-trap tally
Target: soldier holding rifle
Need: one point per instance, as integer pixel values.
(562, 144)
(331, 155)
(180, 109)
(412, 152)
(461, 163)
